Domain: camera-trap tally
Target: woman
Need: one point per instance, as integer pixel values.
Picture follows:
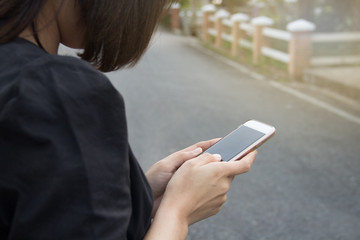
(66, 169)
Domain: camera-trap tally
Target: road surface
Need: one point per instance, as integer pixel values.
(305, 182)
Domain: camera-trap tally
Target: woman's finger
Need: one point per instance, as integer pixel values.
(178, 158)
(239, 166)
(206, 144)
(203, 145)
(207, 158)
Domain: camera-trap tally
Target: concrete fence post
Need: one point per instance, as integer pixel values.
(259, 23)
(175, 17)
(300, 47)
(208, 10)
(236, 20)
(219, 27)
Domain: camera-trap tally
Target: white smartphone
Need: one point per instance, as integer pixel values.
(242, 140)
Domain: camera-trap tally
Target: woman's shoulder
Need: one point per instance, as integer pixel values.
(19, 57)
(69, 68)
(40, 79)
(66, 76)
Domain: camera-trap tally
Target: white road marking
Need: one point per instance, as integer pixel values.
(316, 102)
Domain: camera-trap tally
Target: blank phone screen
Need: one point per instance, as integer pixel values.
(235, 142)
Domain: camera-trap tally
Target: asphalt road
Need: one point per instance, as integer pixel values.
(305, 182)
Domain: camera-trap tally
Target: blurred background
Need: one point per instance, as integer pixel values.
(213, 65)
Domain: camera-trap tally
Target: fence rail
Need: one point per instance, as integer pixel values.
(277, 34)
(336, 37)
(247, 27)
(276, 54)
(227, 37)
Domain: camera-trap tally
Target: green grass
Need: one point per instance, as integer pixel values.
(267, 66)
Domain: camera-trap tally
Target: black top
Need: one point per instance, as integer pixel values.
(66, 168)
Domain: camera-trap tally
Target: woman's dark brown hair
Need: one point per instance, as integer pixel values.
(117, 31)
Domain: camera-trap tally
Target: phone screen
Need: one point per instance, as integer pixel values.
(235, 142)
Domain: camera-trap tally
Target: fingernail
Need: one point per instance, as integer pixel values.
(197, 151)
(217, 157)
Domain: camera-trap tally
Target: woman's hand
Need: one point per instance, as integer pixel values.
(161, 172)
(197, 190)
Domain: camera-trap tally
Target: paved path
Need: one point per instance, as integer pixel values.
(343, 80)
(305, 183)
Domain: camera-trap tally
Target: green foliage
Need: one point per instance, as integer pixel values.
(328, 15)
(185, 4)
(232, 5)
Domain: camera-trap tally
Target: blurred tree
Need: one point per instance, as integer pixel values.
(195, 5)
(331, 15)
(306, 9)
(232, 5)
(185, 4)
(328, 15)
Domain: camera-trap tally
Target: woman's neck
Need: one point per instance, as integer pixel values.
(46, 29)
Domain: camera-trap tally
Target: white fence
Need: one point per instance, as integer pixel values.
(299, 36)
